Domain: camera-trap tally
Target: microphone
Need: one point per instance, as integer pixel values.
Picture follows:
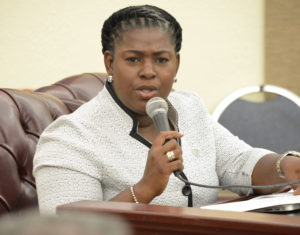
(157, 109)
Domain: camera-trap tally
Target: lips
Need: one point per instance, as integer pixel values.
(146, 92)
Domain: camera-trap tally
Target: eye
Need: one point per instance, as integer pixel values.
(133, 59)
(162, 60)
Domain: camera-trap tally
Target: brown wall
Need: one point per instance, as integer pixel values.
(282, 43)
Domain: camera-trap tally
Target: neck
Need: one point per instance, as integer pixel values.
(144, 121)
(146, 128)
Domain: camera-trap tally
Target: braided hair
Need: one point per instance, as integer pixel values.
(134, 17)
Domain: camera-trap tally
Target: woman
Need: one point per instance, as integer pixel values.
(109, 149)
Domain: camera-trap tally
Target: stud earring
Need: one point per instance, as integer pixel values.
(109, 78)
(175, 79)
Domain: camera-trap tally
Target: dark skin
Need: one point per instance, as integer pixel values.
(265, 173)
(144, 65)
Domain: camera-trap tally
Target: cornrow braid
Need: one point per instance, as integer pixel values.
(139, 17)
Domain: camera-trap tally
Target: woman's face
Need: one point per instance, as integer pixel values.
(144, 65)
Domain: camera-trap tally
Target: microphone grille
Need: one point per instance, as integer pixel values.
(156, 104)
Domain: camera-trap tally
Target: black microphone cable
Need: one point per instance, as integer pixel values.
(237, 185)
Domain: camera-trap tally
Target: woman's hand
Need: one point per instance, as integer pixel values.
(158, 167)
(290, 166)
(265, 173)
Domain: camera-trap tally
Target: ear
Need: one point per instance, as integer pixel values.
(108, 61)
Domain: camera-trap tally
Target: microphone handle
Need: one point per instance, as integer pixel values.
(176, 173)
(161, 122)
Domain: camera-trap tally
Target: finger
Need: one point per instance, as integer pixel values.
(297, 190)
(161, 151)
(163, 136)
(170, 145)
(176, 165)
(172, 156)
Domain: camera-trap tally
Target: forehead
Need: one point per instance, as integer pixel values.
(145, 38)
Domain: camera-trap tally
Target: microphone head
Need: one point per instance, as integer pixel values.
(156, 104)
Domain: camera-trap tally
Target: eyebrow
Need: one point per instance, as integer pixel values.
(155, 53)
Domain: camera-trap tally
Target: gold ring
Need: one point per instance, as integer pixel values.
(171, 156)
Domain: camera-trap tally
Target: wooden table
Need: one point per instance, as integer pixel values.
(154, 219)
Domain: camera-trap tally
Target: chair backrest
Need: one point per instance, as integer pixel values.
(24, 115)
(272, 124)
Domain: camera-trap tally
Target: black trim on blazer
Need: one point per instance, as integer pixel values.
(133, 133)
(186, 190)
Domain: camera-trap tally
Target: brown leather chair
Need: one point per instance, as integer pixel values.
(24, 115)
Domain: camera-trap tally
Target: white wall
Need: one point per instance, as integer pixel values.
(42, 41)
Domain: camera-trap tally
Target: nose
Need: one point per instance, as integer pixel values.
(148, 70)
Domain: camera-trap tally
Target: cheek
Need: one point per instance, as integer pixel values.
(169, 71)
(167, 76)
(166, 86)
(122, 87)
